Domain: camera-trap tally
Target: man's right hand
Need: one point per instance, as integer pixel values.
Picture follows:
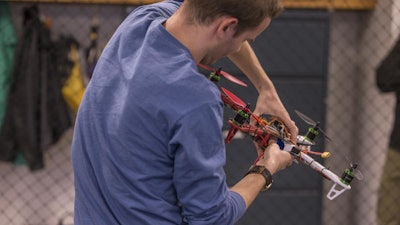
(274, 159)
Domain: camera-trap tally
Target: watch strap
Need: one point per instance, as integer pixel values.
(264, 172)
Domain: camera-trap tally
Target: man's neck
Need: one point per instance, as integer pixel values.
(192, 36)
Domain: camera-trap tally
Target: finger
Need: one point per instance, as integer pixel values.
(260, 149)
(253, 121)
(289, 159)
(272, 140)
(293, 130)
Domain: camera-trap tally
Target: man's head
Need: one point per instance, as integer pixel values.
(213, 29)
(249, 13)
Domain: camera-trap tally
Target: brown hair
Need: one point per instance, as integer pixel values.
(250, 13)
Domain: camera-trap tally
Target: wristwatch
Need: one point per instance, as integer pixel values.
(263, 171)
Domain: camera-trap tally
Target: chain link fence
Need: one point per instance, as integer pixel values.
(358, 117)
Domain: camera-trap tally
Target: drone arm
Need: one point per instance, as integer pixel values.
(232, 131)
(326, 173)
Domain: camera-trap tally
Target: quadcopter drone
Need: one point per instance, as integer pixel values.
(267, 126)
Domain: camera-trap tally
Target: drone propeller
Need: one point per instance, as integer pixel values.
(232, 100)
(353, 171)
(356, 172)
(316, 128)
(225, 74)
(237, 104)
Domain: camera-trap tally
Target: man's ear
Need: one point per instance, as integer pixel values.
(227, 26)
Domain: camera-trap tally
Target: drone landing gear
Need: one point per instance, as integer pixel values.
(336, 191)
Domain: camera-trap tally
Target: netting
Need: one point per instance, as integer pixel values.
(356, 115)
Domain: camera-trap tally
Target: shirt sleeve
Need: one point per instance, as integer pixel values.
(199, 176)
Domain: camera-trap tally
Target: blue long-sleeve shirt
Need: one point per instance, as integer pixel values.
(147, 145)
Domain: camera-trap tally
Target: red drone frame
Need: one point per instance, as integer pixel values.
(266, 126)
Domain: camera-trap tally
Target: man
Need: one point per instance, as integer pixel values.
(148, 145)
(388, 80)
